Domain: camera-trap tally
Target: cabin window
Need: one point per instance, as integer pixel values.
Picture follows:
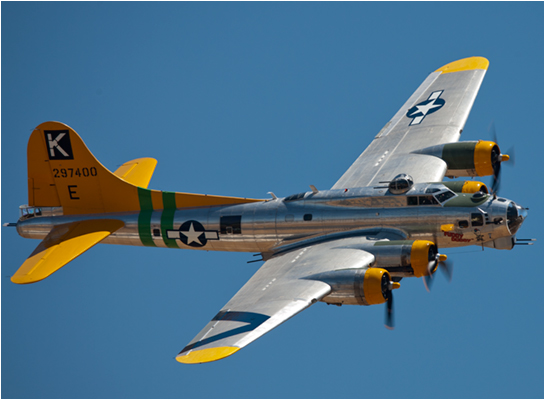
(463, 224)
(230, 225)
(476, 219)
(156, 232)
(412, 201)
(307, 217)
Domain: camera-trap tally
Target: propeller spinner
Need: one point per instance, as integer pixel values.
(437, 260)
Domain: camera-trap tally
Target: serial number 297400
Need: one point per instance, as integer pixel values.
(74, 172)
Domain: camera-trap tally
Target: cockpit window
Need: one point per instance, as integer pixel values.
(444, 196)
(421, 200)
(293, 197)
(476, 219)
(426, 200)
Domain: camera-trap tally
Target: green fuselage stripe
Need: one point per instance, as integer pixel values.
(144, 218)
(167, 218)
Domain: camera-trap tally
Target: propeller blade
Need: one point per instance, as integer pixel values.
(511, 153)
(498, 159)
(447, 269)
(389, 320)
(492, 131)
(441, 262)
(427, 279)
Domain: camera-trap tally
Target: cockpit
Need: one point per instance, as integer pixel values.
(433, 196)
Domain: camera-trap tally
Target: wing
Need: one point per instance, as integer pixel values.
(278, 290)
(435, 114)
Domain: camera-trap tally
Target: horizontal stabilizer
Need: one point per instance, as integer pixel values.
(63, 244)
(137, 172)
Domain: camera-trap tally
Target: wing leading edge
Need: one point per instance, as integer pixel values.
(435, 114)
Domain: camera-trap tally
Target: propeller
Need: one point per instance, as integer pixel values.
(446, 268)
(389, 318)
(498, 159)
(437, 260)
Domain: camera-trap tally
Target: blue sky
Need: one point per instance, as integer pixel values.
(242, 99)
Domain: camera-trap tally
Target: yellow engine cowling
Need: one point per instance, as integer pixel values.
(467, 158)
(358, 286)
(406, 258)
(466, 186)
(472, 158)
(423, 252)
(375, 283)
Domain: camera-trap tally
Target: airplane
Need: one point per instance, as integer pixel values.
(384, 220)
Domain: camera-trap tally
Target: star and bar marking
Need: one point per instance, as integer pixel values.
(429, 106)
(192, 233)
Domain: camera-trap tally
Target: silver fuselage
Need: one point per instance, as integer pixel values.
(269, 226)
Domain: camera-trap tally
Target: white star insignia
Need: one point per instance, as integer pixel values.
(192, 235)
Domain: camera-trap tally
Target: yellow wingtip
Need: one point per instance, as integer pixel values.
(207, 355)
(465, 64)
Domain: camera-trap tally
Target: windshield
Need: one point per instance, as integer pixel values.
(444, 196)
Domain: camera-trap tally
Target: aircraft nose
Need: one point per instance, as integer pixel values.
(516, 215)
(523, 212)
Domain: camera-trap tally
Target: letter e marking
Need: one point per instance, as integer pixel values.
(72, 192)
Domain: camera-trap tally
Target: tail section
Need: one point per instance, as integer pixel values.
(63, 172)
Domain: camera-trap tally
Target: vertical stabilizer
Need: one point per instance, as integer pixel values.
(63, 172)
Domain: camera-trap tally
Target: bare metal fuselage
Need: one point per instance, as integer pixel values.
(269, 226)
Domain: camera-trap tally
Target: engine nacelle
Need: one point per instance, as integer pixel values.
(406, 258)
(466, 186)
(357, 286)
(467, 158)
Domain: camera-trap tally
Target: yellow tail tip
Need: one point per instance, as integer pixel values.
(207, 355)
